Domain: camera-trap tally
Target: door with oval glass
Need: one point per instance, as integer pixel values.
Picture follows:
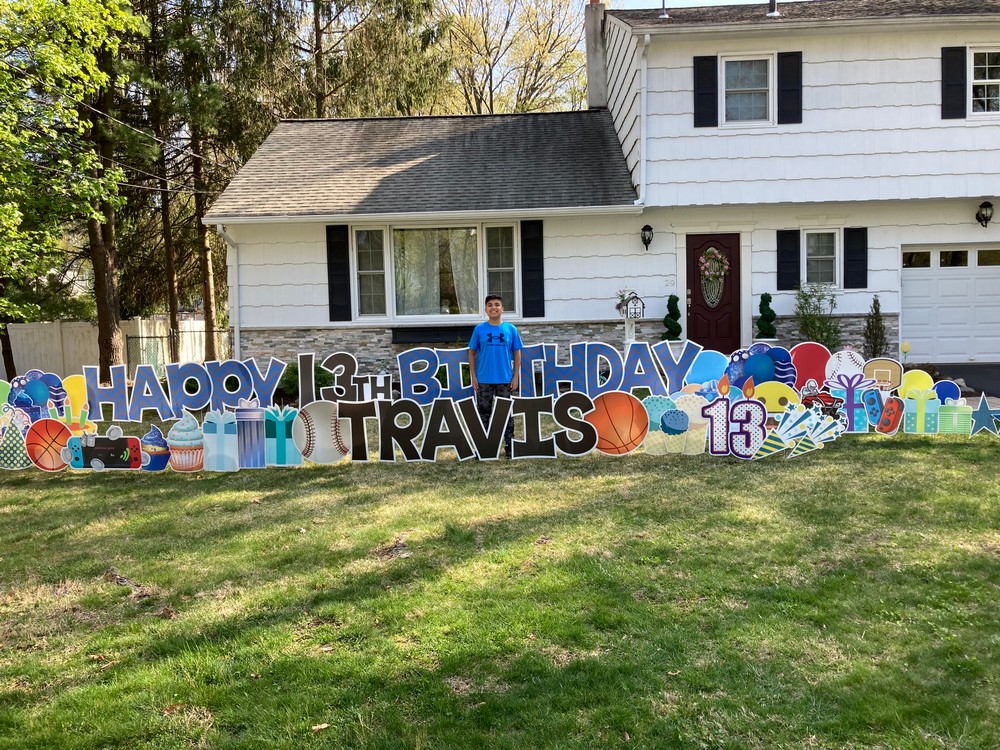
(713, 291)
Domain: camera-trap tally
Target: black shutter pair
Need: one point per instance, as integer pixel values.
(706, 90)
(855, 258)
(338, 269)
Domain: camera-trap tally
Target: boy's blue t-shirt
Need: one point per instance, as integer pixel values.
(495, 347)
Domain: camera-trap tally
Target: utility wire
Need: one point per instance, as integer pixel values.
(122, 184)
(126, 166)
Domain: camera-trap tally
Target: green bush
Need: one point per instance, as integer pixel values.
(288, 387)
(765, 323)
(876, 342)
(814, 306)
(672, 320)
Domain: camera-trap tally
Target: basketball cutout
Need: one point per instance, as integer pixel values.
(44, 441)
(621, 422)
(320, 435)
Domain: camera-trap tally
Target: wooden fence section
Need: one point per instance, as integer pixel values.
(64, 347)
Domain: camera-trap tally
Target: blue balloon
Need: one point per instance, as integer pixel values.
(37, 391)
(708, 365)
(779, 354)
(760, 367)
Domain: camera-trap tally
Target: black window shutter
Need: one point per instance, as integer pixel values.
(789, 259)
(856, 258)
(338, 271)
(706, 92)
(532, 270)
(953, 84)
(789, 87)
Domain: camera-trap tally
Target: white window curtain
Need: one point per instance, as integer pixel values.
(437, 271)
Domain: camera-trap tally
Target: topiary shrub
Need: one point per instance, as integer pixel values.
(672, 320)
(765, 323)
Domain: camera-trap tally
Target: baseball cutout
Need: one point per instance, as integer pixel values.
(320, 435)
(847, 362)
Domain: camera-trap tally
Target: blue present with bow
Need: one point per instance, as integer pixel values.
(921, 410)
(850, 387)
(279, 449)
(222, 448)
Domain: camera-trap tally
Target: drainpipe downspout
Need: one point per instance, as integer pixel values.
(643, 109)
(234, 291)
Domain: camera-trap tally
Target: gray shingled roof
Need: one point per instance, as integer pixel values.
(430, 165)
(807, 10)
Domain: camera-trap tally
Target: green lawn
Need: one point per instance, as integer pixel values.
(846, 599)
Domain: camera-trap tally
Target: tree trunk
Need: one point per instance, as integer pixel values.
(8, 351)
(320, 81)
(160, 119)
(204, 245)
(101, 234)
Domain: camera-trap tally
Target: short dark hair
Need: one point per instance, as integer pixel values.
(490, 297)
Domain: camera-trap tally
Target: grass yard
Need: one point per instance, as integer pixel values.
(846, 599)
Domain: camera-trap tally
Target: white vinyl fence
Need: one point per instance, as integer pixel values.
(64, 347)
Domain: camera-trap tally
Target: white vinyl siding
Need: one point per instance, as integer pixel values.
(871, 129)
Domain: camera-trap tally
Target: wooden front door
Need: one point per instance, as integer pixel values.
(713, 305)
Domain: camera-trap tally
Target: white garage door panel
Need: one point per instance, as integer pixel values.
(951, 314)
(952, 289)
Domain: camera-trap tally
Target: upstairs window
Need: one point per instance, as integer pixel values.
(986, 82)
(747, 93)
(821, 258)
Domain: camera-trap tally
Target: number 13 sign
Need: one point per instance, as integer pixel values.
(735, 428)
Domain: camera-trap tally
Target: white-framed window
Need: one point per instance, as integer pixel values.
(501, 270)
(414, 272)
(821, 250)
(747, 90)
(985, 81)
(370, 244)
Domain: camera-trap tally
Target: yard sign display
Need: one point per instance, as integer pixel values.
(220, 416)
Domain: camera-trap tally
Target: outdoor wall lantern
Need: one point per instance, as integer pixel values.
(984, 215)
(646, 233)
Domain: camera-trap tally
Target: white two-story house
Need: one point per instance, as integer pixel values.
(843, 142)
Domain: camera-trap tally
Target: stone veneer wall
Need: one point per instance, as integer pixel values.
(852, 330)
(375, 351)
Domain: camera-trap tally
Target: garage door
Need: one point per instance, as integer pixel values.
(951, 304)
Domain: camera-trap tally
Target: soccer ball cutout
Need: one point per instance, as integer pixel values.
(45, 441)
(621, 422)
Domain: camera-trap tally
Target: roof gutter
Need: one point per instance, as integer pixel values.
(517, 213)
(643, 110)
(784, 23)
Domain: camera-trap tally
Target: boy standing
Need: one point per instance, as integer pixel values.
(493, 347)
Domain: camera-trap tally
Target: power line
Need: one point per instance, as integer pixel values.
(112, 118)
(131, 168)
(116, 182)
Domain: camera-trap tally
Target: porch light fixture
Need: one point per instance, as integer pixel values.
(646, 233)
(984, 215)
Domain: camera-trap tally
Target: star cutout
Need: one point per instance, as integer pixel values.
(982, 418)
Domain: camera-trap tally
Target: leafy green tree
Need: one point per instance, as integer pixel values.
(53, 59)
